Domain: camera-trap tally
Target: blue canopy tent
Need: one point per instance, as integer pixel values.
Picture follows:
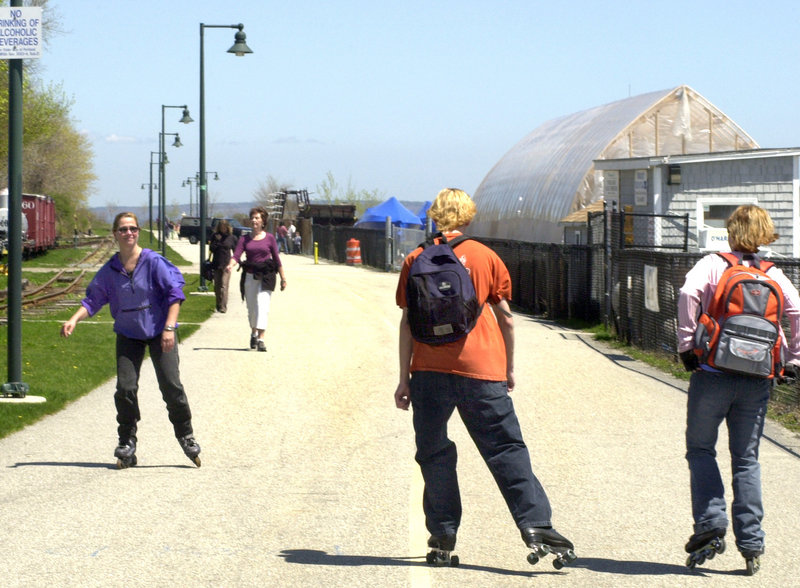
(422, 213)
(375, 217)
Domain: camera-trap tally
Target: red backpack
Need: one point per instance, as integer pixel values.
(740, 331)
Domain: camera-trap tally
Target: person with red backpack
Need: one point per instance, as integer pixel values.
(457, 352)
(730, 337)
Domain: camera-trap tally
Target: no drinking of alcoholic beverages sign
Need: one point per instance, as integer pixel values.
(21, 32)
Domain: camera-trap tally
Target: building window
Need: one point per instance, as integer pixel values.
(716, 215)
(712, 215)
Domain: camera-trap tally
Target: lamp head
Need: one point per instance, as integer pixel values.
(186, 119)
(239, 45)
(177, 142)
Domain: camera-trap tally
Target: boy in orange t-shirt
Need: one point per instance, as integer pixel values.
(475, 375)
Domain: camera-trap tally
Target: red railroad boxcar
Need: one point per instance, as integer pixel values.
(41, 214)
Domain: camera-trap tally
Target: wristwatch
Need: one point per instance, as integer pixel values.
(171, 327)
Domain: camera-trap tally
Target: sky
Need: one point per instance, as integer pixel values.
(403, 98)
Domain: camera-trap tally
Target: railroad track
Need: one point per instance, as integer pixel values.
(55, 293)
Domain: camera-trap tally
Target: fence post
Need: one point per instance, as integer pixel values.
(686, 232)
(388, 235)
(607, 220)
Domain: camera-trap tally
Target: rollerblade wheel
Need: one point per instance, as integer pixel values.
(128, 462)
(533, 559)
(454, 561)
(752, 564)
(570, 556)
(558, 564)
(430, 558)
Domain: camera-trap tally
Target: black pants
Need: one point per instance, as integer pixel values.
(130, 354)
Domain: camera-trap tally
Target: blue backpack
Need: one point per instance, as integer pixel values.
(441, 301)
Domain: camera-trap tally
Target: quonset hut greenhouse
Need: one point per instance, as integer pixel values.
(550, 173)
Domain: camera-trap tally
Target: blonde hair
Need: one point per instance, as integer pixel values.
(121, 216)
(452, 208)
(749, 227)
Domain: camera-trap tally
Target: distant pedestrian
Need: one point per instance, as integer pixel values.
(738, 399)
(475, 375)
(144, 292)
(221, 246)
(292, 231)
(261, 262)
(281, 236)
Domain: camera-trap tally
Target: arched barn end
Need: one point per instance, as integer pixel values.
(550, 172)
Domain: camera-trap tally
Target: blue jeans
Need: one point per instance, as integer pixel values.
(487, 412)
(130, 355)
(742, 403)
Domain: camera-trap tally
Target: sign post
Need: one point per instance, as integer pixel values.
(20, 38)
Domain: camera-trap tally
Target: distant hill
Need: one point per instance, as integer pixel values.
(223, 209)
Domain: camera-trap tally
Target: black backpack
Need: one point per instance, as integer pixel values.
(441, 301)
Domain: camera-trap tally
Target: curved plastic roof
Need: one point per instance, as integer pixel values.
(549, 173)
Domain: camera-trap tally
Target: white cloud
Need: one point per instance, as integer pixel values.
(114, 138)
(293, 140)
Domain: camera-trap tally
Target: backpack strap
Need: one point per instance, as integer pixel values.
(454, 242)
(754, 258)
(458, 240)
(731, 258)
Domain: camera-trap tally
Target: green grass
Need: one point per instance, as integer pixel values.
(63, 370)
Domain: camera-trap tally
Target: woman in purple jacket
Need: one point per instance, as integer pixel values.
(144, 292)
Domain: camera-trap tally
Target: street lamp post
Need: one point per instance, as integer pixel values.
(189, 182)
(162, 200)
(150, 187)
(14, 386)
(185, 119)
(196, 180)
(150, 210)
(239, 48)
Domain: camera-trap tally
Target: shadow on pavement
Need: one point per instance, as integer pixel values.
(316, 557)
(638, 568)
(221, 349)
(79, 464)
(600, 565)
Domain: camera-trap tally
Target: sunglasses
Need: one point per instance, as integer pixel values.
(128, 230)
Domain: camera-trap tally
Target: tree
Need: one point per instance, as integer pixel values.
(330, 191)
(57, 158)
(266, 189)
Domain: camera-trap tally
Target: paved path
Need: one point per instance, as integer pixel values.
(308, 475)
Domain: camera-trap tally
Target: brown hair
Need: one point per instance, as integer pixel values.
(749, 227)
(452, 208)
(122, 215)
(261, 211)
(223, 227)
